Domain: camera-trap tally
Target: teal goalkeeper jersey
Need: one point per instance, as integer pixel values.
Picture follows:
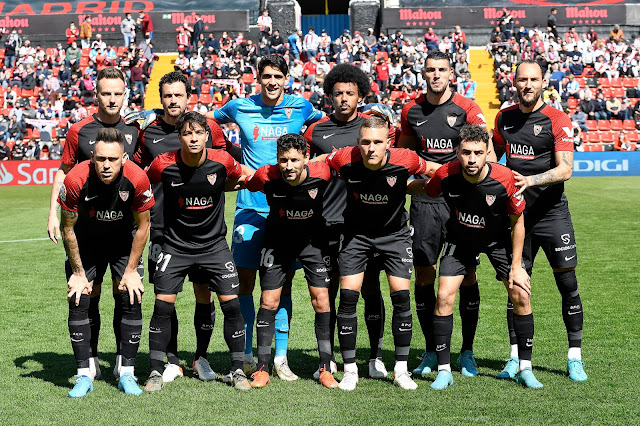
(260, 127)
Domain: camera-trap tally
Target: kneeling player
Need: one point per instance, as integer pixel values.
(294, 230)
(486, 217)
(193, 180)
(376, 222)
(100, 199)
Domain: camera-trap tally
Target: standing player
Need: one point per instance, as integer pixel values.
(375, 222)
(81, 139)
(431, 126)
(262, 119)
(193, 180)
(156, 138)
(538, 142)
(294, 230)
(486, 217)
(100, 200)
(346, 86)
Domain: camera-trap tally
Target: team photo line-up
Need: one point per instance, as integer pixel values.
(335, 185)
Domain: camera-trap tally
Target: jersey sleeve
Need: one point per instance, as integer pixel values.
(310, 114)
(308, 135)
(218, 138)
(141, 155)
(70, 150)
(143, 199)
(225, 114)
(433, 187)
(475, 115)
(404, 120)
(234, 170)
(515, 203)
(498, 140)
(562, 132)
(320, 170)
(339, 158)
(69, 196)
(256, 181)
(154, 173)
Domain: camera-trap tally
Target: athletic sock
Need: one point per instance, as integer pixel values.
(400, 367)
(117, 321)
(265, 328)
(523, 325)
(160, 333)
(512, 331)
(469, 312)
(172, 347)
(425, 304)
(234, 331)
(348, 325)
(94, 323)
(204, 318)
(248, 311)
(321, 324)
(442, 330)
(374, 317)
(333, 317)
(283, 319)
(130, 328)
(80, 332)
(574, 353)
(401, 323)
(572, 314)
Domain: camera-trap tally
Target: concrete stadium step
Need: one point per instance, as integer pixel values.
(481, 69)
(160, 68)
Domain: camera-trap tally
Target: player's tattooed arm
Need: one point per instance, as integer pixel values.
(53, 224)
(560, 173)
(78, 283)
(131, 281)
(518, 276)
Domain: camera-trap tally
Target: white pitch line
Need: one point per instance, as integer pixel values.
(23, 241)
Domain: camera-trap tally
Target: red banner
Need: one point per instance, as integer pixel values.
(17, 173)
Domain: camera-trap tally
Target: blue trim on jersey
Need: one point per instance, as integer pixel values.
(260, 126)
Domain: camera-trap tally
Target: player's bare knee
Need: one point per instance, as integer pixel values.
(319, 299)
(169, 298)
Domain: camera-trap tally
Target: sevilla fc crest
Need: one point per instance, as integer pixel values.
(212, 178)
(537, 129)
(451, 120)
(129, 139)
(391, 180)
(288, 111)
(313, 192)
(124, 195)
(491, 199)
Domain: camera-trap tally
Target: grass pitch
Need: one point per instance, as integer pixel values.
(36, 360)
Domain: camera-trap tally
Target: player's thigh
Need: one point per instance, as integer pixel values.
(248, 238)
(396, 253)
(334, 236)
(456, 260)
(428, 224)
(558, 241)
(500, 257)
(219, 268)
(355, 252)
(156, 241)
(172, 268)
(274, 266)
(316, 266)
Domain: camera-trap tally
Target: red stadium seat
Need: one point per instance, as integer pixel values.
(604, 125)
(633, 135)
(86, 51)
(205, 98)
(592, 125)
(27, 93)
(122, 50)
(588, 72)
(29, 134)
(35, 134)
(634, 146)
(193, 99)
(596, 147)
(616, 125)
(84, 61)
(205, 87)
(10, 144)
(592, 137)
(616, 82)
(306, 95)
(395, 94)
(384, 55)
(618, 92)
(606, 137)
(628, 82)
(247, 78)
(606, 91)
(629, 125)
(581, 81)
(573, 102)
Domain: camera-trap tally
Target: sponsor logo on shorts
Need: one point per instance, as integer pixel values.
(406, 260)
(234, 274)
(566, 238)
(565, 248)
(323, 269)
(230, 266)
(568, 258)
(327, 260)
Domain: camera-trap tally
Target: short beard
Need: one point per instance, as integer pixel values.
(528, 103)
(437, 92)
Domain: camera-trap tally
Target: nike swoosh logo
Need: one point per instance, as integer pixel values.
(234, 286)
(454, 195)
(154, 331)
(492, 244)
(508, 127)
(529, 345)
(404, 329)
(177, 184)
(566, 259)
(262, 325)
(440, 350)
(86, 198)
(134, 343)
(326, 280)
(420, 123)
(353, 181)
(158, 140)
(344, 334)
(574, 313)
(279, 196)
(77, 340)
(327, 136)
(92, 142)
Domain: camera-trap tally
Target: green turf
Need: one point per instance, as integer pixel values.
(36, 359)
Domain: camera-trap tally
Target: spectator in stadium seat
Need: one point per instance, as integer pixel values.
(622, 142)
(382, 74)
(554, 102)
(504, 86)
(556, 77)
(310, 43)
(98, 43)
(588, 107)
(55, 150)
(73, 55)
(17, 128)
(383, 43)
(462, 67)
(616, 34)
(370, 42)
(309, 71)
(277, 43)
(5, 152)
(86, 32)
(546, 94)
(459, 36)
(580, 119)
(266, 25)
(626, 110)
(325, 43)
(19, 151)
(541, 59)
(497, 35)
(571, 89)
(431, 39)
(614, 107)
(576, 64)
(72, 33)
(10, 50)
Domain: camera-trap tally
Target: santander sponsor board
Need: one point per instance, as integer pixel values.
(18, 173)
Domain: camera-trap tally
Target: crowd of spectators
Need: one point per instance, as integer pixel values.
(591, 77)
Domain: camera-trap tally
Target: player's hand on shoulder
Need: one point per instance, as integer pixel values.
(132, 283)
(519, 277)
(522, 182)
(77, 285)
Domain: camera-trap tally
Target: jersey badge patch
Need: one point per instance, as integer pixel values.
(490, 199)
(129, 138)
(537, 129)
(451, 120)
(63, 193)
(391, 180)
(124, 195)
(212, 178)
(288, 111)
(313, 193)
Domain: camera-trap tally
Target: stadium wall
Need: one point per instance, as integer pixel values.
(21, 173)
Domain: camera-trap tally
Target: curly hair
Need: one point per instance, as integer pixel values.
(346, 73)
